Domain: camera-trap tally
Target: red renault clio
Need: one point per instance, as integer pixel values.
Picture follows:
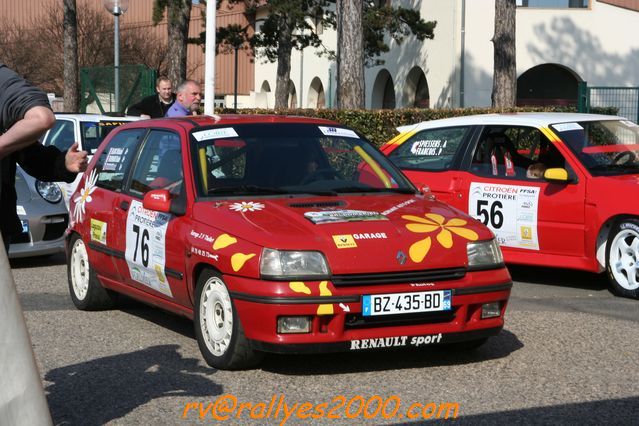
(279, 234)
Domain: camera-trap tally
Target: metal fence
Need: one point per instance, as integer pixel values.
(97, 86)
(624, 99)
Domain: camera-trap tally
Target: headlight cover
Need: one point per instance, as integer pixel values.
(279, 264)
(484, 255)
(49, 191)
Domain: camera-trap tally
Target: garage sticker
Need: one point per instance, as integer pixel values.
(510, 211)
(145, 247)
(98, 231)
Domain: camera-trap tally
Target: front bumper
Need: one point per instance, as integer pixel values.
(337, 324)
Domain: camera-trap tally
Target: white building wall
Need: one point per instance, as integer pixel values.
(595, 43)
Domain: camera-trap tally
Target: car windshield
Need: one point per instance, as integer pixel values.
(290, 158)
(606, 147)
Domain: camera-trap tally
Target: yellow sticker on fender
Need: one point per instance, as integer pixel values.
(98, 231)
(344, 241)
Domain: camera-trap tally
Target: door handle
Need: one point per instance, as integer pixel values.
(124, 205)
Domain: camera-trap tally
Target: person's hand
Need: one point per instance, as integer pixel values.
(76, 161)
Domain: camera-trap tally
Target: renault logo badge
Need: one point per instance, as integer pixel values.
(401, 257)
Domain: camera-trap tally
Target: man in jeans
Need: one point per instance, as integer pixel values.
(25, 115)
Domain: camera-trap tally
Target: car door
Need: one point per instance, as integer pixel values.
(96, 201)
(153, 242)
(528, 214)
(432, 157)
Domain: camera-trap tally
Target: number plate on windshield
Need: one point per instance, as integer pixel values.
(406, 303)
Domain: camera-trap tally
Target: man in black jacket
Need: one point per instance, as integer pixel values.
(157, 105)
(25, 115)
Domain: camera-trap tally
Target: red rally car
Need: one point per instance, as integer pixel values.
(279, 234)
(555, 188)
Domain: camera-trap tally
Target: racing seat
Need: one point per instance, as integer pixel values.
(503, 157)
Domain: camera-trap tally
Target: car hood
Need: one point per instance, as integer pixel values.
(356, 233)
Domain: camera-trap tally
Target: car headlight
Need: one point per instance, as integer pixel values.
(288, 264)
(49, 191)
(484, 255)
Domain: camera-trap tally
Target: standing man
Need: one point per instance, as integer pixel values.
(157, 105)
(189, 96)
(25, 115)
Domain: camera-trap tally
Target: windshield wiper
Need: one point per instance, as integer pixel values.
(247, 189)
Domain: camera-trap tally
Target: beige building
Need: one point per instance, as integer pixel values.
(560, 43)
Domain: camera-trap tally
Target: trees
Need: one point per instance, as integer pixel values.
(35, 49)
(377, 20)
(350, 57)
(505, 66)
(70, 56)
(178, 14)
(292, 24)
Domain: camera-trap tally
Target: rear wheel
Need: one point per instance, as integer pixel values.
(219, 332)
(622, 255)
(86, 291)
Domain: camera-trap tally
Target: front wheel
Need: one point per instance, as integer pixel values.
(622, 255)
(218, 330)
(85, 289)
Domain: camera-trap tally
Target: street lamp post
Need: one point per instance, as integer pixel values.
(116, 8)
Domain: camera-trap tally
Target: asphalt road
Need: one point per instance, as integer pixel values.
(567, 355)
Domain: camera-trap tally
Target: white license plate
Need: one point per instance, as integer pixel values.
(406, 303)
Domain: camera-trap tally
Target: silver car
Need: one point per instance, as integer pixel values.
(44, 217)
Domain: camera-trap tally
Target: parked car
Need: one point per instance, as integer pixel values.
(279, 234)
(44, 217)
(555, 188)
(86, 129)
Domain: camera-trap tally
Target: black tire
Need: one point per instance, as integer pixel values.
(622, 258)
(85, 289)
(218, 330)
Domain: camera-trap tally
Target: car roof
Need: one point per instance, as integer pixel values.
(191, 122)
(96, 117)
(539, 119)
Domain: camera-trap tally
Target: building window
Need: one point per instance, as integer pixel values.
(554, 4)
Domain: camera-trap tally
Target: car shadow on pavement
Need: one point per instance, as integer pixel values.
(619, 411)
(38, 261)
(559, 277)
(108, 388)
(498, 346)
(164, 319)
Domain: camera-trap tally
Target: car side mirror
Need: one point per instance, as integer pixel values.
(557, 175)
(425, 190)
(158, 200)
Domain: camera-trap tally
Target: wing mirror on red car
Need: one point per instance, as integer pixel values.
(425, 189)
(158, 200)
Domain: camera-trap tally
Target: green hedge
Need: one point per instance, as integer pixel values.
(380, 126)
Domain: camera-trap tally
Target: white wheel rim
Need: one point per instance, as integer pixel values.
(624, 252)
(216, 316)
(79, 270)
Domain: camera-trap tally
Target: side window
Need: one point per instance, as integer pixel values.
(115, 160)
(515, 152)
(430, 149)
(61, 135)
(159, 165)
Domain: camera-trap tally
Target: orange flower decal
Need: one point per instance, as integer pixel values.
(434, 222)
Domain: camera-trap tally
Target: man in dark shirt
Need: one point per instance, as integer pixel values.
(157, 105)
(25, 115)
